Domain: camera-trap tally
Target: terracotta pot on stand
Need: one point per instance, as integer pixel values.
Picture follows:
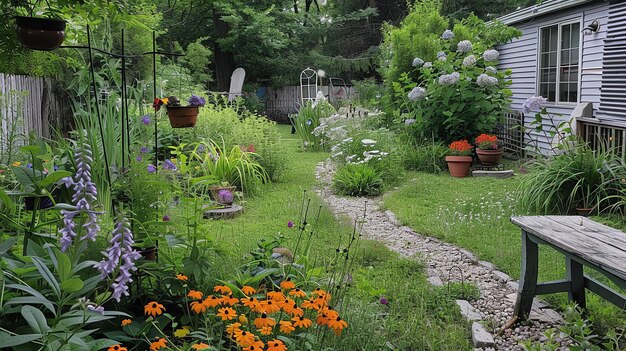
(40, 33)
(489, 157)
(182, 116)
(459, 166)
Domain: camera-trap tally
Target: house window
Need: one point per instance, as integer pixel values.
(558, 65)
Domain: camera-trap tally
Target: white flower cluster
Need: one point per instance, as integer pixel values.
(441, 54)
(464, 46)
(427, 65)
(449, 79)
(484, 80)
(469, 61)
(491, 55)
(447, 34)
(418, 93)
(417, 62)
(491, 70)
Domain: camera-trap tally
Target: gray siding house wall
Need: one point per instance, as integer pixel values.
(522, 54)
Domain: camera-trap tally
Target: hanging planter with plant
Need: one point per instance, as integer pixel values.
(181, 116)
(40, 33)
(488, 149)
(460, 161)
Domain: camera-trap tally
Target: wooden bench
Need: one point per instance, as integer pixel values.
(584, 243)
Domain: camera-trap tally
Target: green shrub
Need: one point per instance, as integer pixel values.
(358, 180)
(368, 93)
(578, 177)
(307, 119)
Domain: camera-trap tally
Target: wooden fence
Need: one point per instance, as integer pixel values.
(31, 104)
(281, 102)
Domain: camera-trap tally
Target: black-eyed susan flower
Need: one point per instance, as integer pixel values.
(338, 325)
(126, 322)
(244, 338)
(198, 307)
(229, 301)
(255, 346)
(287, 284)
(286, 303)
(182, 277)
(265, 331)
(117, 347)
(223, 289)
(159, 343)
(286, 327)
(243, 319)
(297, 293)
(232, 328)
(211, 301)
(269, 306)
(276, 345)
(301, 322)
(194, 294)
(226, 313)
(264, 321)
(276, 296)
(248, 290)
(153, 309)
(252, 303)
(310, 304)
(200, 346)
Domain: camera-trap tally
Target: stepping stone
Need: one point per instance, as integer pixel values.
(487, 265)
(546, 315)
(494, 174)
(513, 285)
(468, 254)
(502, 276)
(223, 213)
(468, 311)
(436, 281)
(481, 337)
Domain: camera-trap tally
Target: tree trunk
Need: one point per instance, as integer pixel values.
(224, 59)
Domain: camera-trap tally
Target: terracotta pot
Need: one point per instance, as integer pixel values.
(183, 116)
(489, 157)
(459, 166)
(585, 212)
(40, 33)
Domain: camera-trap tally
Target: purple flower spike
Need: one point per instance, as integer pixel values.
(144, 150)
(145, 119)
(151, 168)
(290, 224)
(384, 301)
(168, 165)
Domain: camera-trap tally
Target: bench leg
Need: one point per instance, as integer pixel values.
(574, 273)
(528, 277)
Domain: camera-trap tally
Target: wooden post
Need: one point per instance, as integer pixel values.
(528, 277)
(574, 273)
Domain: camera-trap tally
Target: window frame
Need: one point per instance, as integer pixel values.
(560, 25)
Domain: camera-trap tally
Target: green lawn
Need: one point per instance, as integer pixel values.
(433, 322)
(474, 213)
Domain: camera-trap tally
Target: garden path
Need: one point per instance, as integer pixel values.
(445, 263)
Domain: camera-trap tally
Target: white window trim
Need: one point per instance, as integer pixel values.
(558, 60)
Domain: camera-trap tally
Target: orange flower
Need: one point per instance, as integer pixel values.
(232, 328)
(182, 278)
(252, 303)
(300, 322)
(231, 301)
(287, 284)
(117, 347)
(269, 306)
(158, 344)
(264, 321)
(153, 309)
(211, 301)
(255, 346)
(126, 322)
(338, 325)
(286, 327)
(265, 330)
(297, 293)
(325, 316)
(226, 313)
(276, 345)
(276, 296)
(223, 289)
(243, 319)
(198, 307)
(318, 292)
(320, 302)
(248, 290)
(461, 147)
(310, 304)
(486, 141)
(244, 338)
(194, 294)
(200, 346)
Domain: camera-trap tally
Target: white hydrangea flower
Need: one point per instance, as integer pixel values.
(491, 55)
(417, 62)
(449, 79)
(447, 35)
(484, 80)
(491, 70)
(417, 93)
(464, 46)
(469, 61)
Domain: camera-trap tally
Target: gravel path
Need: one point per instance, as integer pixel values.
(444, 263)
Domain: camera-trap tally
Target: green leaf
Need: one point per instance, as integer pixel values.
(6, 245)
(64, 267)
(35, 319)
(53, 177)
(47, 275)
(37, 297)
(7, 340)
(72, 285)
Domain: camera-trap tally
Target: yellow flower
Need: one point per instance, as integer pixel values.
(232, 328)
(16, 164)
(182, 332)
(243, 319)
(165, 100)
(200, 346)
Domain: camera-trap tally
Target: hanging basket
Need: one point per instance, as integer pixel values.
(183, 116)
(40, 33)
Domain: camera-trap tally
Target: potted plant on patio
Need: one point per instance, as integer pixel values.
(181, 116)
(224, 189)
(488, 149)
(460, 161)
